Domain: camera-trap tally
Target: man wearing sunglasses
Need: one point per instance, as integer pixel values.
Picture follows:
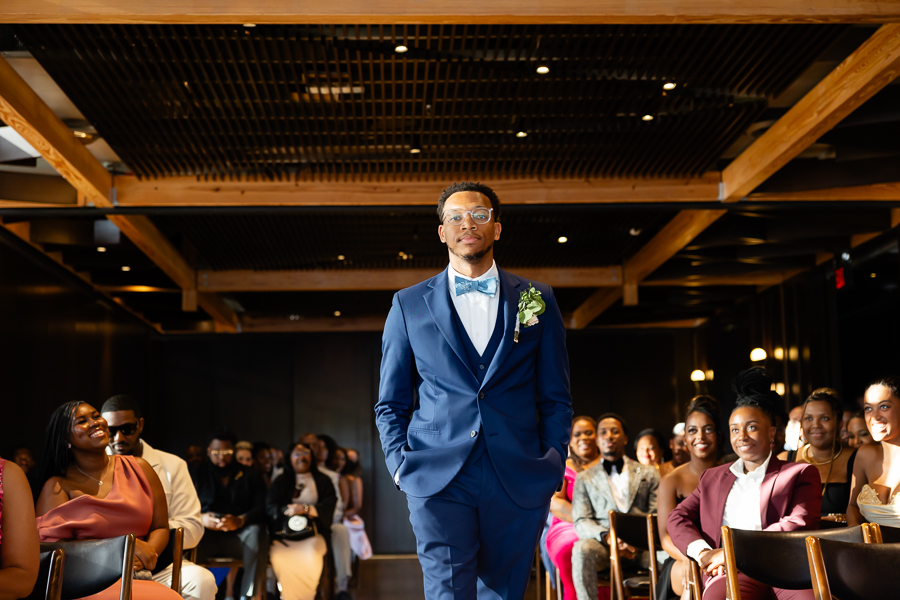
(474, 409)
(126, 424)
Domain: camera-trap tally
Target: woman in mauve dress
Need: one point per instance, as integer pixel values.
(88, 494)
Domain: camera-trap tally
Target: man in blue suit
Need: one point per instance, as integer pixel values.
(474, 408)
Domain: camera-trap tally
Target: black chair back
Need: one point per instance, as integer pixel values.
(94, 565)
(172, 554)
(632, 529)
(778, 558)
(49, 584)
(860, 571)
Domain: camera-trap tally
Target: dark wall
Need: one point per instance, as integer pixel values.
(59, 343)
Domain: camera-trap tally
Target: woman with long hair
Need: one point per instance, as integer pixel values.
(876, 478)
(821, 423)
(89, 494)
(305, 492)
(583, 454)
(756, 492)
(701, 436)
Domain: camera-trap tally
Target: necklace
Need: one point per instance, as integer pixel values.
(99, 483)
(819, 464)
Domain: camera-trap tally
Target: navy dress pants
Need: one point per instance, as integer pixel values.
(472, 539)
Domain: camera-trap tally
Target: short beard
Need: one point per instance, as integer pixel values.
(475, 257)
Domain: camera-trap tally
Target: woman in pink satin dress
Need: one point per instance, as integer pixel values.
(88, 494)
(583, 454)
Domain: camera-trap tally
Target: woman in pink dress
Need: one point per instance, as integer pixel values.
(88, 494)
(19, 551)
(583, 454)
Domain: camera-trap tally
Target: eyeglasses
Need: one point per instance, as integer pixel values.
(217, 453)
(127, 429)
(479, 215)
(302, 453)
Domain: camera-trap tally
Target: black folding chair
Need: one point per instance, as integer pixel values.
(638, 531)
(172, 554)
(49, 581)
(91, 566)
(852, 571)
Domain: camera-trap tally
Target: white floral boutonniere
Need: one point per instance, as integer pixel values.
(530, 307)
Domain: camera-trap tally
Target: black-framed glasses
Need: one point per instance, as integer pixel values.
(126, 429)
(457, 216)
(216, 453)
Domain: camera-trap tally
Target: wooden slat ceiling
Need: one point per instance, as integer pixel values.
(338, 102)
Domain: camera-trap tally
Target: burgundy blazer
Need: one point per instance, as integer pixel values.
(790, 499)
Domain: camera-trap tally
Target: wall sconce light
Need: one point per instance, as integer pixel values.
(709, 375)
(779, 389)
(757, 355)
(698, 375)
(778, 353)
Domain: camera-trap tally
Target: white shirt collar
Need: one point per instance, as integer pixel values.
(738, 469)
(492, 272)
(148, 453)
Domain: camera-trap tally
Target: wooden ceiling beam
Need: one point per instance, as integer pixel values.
(753, 279)
(859, 77)
(23, 110)
(591, 308)
(189, 191)
(888, 192)
(460, 11)
(382, 279)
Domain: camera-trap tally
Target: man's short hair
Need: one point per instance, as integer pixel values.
(469, 186)
(224, 436)
(122, 402)
(612, 415)
(244, 445)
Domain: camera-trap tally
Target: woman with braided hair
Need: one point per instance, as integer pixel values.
(756, 492)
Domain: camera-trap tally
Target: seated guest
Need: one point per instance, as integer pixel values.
(195, 456)
(23, 457)
(340, 536)
(300, 490)
(873, 497)
(701, 436)
(756, 492)
(859, 432)
(277, 462)
(233, 510)
(262, 460)
(823, 449)
(561, 537)
(616, 483)
(126, 424)
(354, 471)
(19, 550)
(88, 494)
(648, 448)
(680, 455)
(243, 453)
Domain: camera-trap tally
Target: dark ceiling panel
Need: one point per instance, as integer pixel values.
(325, 102)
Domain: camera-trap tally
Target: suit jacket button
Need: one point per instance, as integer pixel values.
(481, 395)
(473, 434)
(481, 367)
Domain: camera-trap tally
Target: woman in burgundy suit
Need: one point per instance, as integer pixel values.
(756, 492)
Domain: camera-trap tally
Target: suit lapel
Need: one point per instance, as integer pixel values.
(441, 308)
(767, 487)
(635, 474)
(508, 311)
(725, 486)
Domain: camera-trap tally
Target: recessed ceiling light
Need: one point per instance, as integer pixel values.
(341, 257)
(294, 317)
(80, 134)
(845, 255)
(522, 134)
(126, 269)
(647, 118)
(337, 313)
(669, 86)
(101, 249)
(543, 70)
(401, 49)
(562, 239)
(249, 24)
(872, 275)
(634, 231)
(415, 150)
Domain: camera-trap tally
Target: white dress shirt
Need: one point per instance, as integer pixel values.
(477, 311)
(742, 506)
(181, 496)
(618, 485)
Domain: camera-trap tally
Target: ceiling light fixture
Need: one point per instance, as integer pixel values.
(249, 24)
(401, 49)
(341, 257)
(779, 389)
(101, 249)
(757, 355)
(522, 134)
(562, 239)
(126, 269)
(543, 70)
(337, 313)
(647, 118)
(634, 231)
(873, 275)
(845, 255)
(294, 317)
(698, 375)
(415, 150)
(669, 86)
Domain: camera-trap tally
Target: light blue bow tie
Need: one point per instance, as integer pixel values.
(485, 286)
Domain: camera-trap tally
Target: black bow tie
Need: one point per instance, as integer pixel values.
(609, 464)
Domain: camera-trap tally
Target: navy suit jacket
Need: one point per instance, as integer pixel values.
(523, 407)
